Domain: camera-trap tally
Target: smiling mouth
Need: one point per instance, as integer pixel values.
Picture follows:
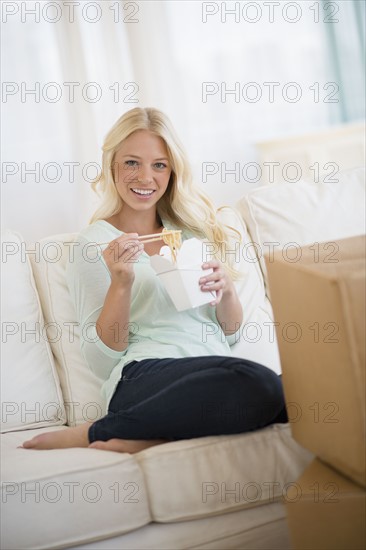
(143, 192)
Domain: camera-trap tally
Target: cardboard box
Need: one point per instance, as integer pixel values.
(180, 279)
(326, 511)
(319, 305)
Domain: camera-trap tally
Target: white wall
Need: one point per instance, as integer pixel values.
(165, 55)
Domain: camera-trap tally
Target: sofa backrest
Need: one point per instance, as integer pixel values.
(31, 396)
(313, 156)
(80, 387)
(257, 339)
(282, 217)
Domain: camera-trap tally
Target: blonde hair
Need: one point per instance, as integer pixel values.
(183, 204)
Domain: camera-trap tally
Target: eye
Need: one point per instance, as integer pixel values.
(160, 165)
(131, 163)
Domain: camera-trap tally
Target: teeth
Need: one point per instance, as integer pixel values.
(143, 191)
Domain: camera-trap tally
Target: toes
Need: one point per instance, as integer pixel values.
(28, 444)
(97, 445)
(111, 445)
(116, 445)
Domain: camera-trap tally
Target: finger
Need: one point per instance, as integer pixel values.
(213, 264)
(126, 237)
(123, 253)
(216, 285)
(133, 253)
(127, 249)
(214, 276)
(116, 247)
(127, 243)
(124, 242)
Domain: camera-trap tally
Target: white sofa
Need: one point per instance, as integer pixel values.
(210, 492)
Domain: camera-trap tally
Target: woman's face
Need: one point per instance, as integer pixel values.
(141, 170)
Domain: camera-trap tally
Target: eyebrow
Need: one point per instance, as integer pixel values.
(136, 157)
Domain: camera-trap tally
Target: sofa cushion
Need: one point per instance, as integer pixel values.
(30, 389)
(63, 497)
(210, 475)
(258, 528)
(80, 387)
(296, 214)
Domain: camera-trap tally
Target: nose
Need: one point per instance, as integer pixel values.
(145, 175)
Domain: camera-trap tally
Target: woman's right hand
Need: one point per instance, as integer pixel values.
(120, 256)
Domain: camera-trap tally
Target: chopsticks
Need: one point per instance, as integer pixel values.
(145, 240)
(157, 236)
(154, 236)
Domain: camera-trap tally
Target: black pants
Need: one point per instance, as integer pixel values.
(191, 397)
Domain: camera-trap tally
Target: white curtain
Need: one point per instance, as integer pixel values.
(177, 56)
(346, 53)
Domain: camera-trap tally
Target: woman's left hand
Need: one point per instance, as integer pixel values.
(218, 281)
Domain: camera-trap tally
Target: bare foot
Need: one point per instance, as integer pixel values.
(126, 445)
(63, 439)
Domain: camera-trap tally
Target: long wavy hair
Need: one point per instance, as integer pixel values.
(183, 204)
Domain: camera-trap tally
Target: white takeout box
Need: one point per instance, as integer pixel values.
(181, 279)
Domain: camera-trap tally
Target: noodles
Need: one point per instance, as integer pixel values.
(173, 238)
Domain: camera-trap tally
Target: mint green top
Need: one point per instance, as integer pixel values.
(157, 329)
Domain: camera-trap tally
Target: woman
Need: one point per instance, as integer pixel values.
(167, 375)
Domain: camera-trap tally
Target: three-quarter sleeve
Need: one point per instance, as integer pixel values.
(88, 280)
(235, 337)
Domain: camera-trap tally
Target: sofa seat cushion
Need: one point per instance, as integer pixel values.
(211, 475)
(30, 389)
(64, 497)
(102, 494)
(259, 528)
